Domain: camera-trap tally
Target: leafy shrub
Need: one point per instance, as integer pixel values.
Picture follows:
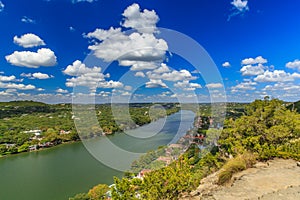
(239, 163)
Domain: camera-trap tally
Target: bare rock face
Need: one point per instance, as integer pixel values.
(278, 179)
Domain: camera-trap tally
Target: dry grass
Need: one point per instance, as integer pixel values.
(237, 164)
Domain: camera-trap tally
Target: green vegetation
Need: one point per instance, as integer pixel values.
(28, 125)
(263, 130)
(294, 106)
(268, 129)
(239, 163)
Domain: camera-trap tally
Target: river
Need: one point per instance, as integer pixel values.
(68, 169)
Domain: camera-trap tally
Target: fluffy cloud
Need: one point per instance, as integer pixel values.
(155, 83)
(276, 76)
(7, 78)
(27, 20)
(59, 90)
(5, 93)
(162, 69)
(214, 85)
(239, 8)
(253, 61)
(143, 22)
(186, 85)
(78, 68)
(29, 75)
(283, 89)
(247, 85)
(39, 75)
(139, 65)
(240, 5)
(293, 65)
(139, 74)
(139, 49)
(226, 64)
(9, 83)
(43, 57)
(88, 77)
(250, 70)
(275, 87)
(172, 76)
(29, 40)
(16, 86)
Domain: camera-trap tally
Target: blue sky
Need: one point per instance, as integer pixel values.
(49, 47)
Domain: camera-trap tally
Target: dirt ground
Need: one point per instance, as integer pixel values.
(277, 179)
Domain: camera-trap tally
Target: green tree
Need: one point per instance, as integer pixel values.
(80, 196)
(98, 192)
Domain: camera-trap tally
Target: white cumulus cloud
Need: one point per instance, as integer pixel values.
(43, 57)
(239, 8)
(139, 74)
(294, 65)
(241, 5)
(16, 86)
(7, 78)
(172, 76)
(78, 68)
(226, 64)
(162, 69)
(139, 49)
(155, 83)
(251, 70)
(253, 61)
(88, 77)
(29, 40)
(136, 48)
(39, 75)
(214, 85)
(247, 85)
(276, 76)
(59, 90)
(143, 22)
(186, 85)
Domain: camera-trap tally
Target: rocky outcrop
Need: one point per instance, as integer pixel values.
(277, 179)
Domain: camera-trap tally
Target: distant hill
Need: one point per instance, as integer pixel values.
(16, 108)
(21, 103)
(295, 105)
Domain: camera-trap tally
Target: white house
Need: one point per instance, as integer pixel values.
(35, 132)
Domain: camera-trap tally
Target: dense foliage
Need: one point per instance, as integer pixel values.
(55, 123)
(266, 129)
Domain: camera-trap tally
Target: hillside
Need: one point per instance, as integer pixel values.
(295, 105)
(17, 108)
(277, 179)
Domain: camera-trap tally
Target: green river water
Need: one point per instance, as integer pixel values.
(63, 171)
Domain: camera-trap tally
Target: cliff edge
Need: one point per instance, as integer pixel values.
(276, 179)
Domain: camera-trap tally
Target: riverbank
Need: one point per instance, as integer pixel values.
(41, 149)
(63, 137)
(276, 179)
(64, 170)
(28, 126)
